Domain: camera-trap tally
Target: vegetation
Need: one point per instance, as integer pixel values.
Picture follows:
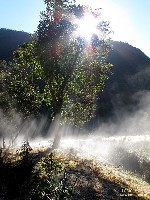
(130, 80)
(64, 74)
(130, 75)
(5, 100)
(59, 70)
(25, 176)
(36, 174)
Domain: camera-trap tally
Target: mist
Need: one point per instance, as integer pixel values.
(127, 124)
(122, 143)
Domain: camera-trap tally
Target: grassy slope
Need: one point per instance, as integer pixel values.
(98, 180)
(95, 180)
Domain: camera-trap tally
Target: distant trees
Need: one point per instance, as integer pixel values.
(61, 70)
(9, 40)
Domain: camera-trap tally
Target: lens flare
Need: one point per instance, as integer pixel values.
(87, 26)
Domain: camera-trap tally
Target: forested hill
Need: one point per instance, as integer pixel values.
(129, 81)
(9, 41)
(131, 73)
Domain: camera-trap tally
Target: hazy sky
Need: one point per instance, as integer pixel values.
(130, 19)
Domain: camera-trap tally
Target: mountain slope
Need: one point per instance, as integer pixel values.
(9, 41)
(131, 76)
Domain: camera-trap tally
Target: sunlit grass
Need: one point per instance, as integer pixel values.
(128, 181)
(88, 173)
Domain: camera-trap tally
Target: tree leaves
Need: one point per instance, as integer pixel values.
(61, 70)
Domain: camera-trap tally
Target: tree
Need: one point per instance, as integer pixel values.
(61, 69)
(6, 103)
(24, 80)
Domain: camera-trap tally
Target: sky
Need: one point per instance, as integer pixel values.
(129, 19)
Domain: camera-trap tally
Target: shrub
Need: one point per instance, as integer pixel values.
(32, 179)
(50, 180)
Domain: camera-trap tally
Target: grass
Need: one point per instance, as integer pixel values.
(106, 181)
(34, 174)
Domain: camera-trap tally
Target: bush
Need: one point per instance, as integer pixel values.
(32, 179)
(50, 180)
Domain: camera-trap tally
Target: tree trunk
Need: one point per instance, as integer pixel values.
(57, 132)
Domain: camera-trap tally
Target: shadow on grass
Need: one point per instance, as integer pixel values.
(90, 186)
(15, 181)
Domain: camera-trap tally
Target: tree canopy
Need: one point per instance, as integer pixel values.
(59, 68)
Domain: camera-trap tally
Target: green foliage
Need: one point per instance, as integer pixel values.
(60, 70)
(24, 79)
(24, 176)
(50, 180)
(75, 71)
(24, 152)
(6, 103)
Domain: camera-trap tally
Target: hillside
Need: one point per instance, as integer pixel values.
(9, 41)
(124, 88)
(130, 78)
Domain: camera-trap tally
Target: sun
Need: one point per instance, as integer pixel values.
(87, 26)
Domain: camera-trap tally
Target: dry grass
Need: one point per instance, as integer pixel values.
(93, 179)
(102, 179)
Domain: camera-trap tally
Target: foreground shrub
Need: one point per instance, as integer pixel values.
(50, 180)
(29, 177)
(15, 171)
